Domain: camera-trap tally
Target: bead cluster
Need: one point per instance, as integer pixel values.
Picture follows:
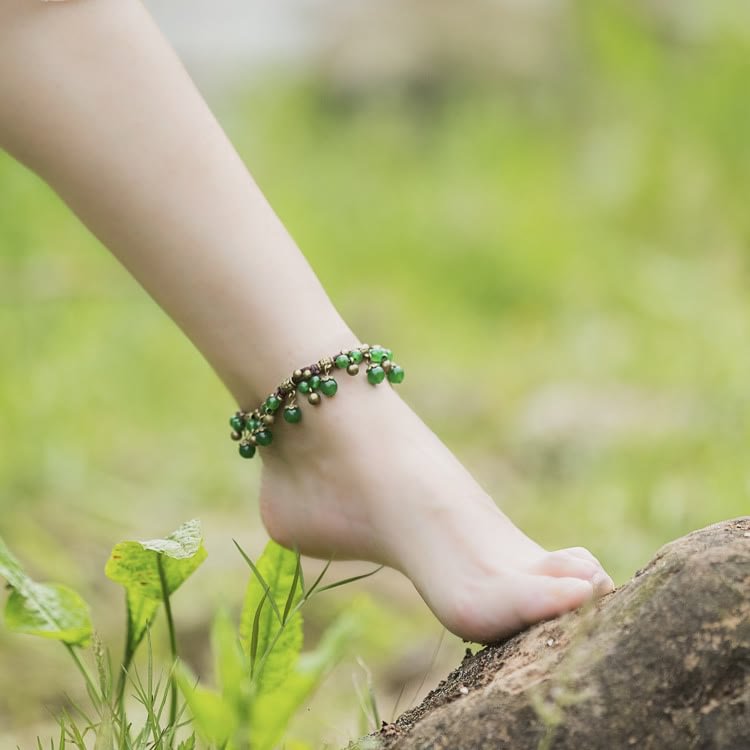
(253, 428)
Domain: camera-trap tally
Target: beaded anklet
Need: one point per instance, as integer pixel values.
(252, 428)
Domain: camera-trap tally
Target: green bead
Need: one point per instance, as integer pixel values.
(396, 374)
(273, 402)
(247, 450)
(303, 386)
(237, 423)
(356, 356)
(252, 424)
(388, 353)
(329, 386)
(341, 361)
(292, 414)
(264, 437)
(376, 375)
(377, 355)
(314, 383)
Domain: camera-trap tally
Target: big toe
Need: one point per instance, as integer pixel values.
(490, 613)
(545, 597)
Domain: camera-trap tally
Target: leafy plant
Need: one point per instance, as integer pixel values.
(263, 678)
(262, 675)
(48, 610)
(151, 572)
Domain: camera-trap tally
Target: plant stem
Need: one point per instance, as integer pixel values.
(86, 676)
(172, 639)
(126, 659)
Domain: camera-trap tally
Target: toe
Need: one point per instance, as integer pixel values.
(563, 564)
(548, 597)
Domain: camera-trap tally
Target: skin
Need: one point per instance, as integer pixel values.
(95, 101)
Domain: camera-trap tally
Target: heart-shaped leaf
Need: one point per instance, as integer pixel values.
(135, 565)
(49, 610)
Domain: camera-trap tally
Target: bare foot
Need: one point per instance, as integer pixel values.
(362, 477)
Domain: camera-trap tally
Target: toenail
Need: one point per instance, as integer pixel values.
(602, 582)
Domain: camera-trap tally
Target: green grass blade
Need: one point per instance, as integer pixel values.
(301, 571)
(256, 634)
(317, 581)
(261, 580)
(293, 587)
(345, 581)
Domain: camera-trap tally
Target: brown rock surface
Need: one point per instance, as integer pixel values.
(662, 663)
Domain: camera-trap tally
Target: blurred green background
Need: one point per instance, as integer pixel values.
(542, 211)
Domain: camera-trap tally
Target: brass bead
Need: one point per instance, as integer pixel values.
(297, 376)
(251, 439)
(267, 419)
(386, 364)
(353, 368)
(313, 398)
(307, 373)
(236, 435)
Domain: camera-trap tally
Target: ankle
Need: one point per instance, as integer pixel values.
(338, 429)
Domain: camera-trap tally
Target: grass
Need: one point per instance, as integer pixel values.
(562, 269)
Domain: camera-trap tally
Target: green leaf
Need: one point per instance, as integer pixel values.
(188, 744)
(49, 610)
(213, 717)
(134, 566)
(231, 670)
(273, 710)
(273, 589)
(10, 568)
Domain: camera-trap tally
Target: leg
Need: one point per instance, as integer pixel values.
(95, 101)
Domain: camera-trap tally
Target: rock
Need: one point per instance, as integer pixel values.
(662, 663)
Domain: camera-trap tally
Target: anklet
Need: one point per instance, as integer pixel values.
(252, 428)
